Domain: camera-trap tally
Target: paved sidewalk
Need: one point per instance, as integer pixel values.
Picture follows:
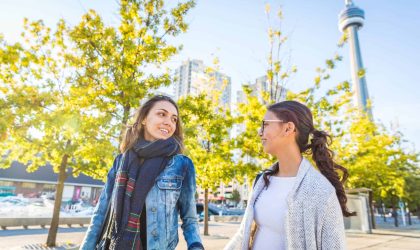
(14, 238)
(401, 238)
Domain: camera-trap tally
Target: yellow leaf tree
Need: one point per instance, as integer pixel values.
(66, 95)
(208, 143)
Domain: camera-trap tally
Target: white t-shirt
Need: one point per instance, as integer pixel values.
(270, 211)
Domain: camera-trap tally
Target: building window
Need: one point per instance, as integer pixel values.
(6, 183)
(48, 187)
(28, 185)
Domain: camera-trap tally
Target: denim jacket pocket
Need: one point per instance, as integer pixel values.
(172, 182)
(170, 186)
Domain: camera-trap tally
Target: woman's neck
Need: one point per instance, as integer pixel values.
(289, 161)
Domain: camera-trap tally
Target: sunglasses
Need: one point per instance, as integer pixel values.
(265, 122)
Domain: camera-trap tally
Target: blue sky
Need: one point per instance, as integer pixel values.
(235, 31)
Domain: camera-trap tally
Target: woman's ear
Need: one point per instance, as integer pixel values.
(290, 128)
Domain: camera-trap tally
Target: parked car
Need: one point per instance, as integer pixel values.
(221, 210)
(15, 200)
(200, 212)
(216, 210)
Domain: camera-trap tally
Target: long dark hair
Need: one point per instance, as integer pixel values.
(301, 116)
(135, 131)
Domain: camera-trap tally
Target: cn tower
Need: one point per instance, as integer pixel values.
(351, 19)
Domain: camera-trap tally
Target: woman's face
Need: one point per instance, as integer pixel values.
(161, 121)
(271, 133)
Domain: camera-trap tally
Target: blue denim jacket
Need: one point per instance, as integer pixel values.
(172, 194)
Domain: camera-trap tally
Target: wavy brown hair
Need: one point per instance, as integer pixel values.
(135, 131)
(301, 116)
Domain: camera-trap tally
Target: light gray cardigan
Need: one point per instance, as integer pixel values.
(314, 219)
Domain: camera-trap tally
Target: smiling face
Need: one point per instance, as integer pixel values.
(275, 133)
(160, 122)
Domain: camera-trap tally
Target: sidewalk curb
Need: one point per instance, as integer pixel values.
(40, 246)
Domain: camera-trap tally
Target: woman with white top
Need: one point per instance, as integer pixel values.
(294, 205)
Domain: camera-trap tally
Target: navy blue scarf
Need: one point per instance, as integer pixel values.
(141, 165)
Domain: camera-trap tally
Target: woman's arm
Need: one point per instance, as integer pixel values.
(238, 238)
(236, 241)
(187, 208)
(99, 214)
(332, 234)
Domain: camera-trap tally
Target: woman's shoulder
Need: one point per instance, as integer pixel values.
(181, 157)
(182, 164)
(117, 161)
(118, 157)
(183, 160)
(318, 185)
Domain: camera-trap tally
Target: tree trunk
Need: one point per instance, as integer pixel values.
(206, 211)
(52, 232)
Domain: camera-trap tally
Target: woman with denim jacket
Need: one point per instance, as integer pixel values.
(293, 204)
(148, 186)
